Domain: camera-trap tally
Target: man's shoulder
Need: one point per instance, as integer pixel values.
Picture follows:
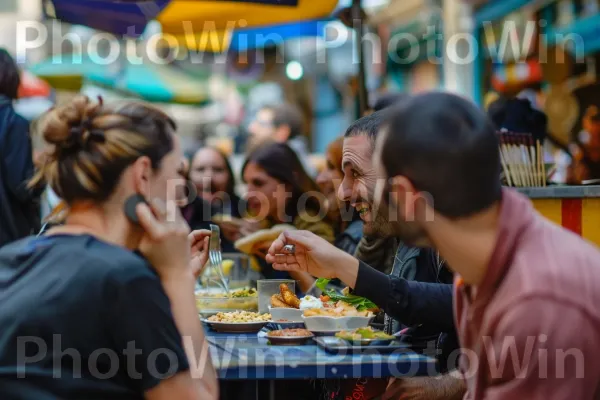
(553, 263)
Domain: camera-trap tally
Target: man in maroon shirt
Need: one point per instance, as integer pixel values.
(527, 291)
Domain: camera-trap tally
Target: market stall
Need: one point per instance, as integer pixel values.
(576, 208)
(528, 50)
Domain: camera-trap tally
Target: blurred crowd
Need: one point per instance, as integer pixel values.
(467, 260)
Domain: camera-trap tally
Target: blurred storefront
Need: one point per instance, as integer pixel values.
(412, 38)
(13, 13)
(547, 52)
(549, 49)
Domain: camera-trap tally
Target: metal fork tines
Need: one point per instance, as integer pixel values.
(215, 255)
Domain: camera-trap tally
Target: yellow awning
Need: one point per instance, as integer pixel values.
(191, 19)
(208, 41)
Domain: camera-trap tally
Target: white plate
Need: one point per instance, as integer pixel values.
(236, 327)
(288, 314)
(323, 324)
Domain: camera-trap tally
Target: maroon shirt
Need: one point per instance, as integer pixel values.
(534, 324)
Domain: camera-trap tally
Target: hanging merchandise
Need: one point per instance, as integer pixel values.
(505, 77)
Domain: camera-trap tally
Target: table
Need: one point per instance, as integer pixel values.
(246, 356)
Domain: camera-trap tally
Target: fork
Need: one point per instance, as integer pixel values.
(215, 255)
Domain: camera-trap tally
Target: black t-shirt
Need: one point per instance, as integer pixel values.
(82, 319)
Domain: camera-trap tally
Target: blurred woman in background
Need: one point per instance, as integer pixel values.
(212, 176)
(19, 207)
(345, 221)
(281, 192)
(115, 273)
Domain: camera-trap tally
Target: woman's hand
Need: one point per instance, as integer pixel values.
(165, 244)
(198, 251)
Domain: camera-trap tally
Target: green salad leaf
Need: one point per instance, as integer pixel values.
(359, 302)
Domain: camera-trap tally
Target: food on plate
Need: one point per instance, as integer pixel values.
(339, 309)
(364, 333)
(285, 298)
(246, 244)
(278, 302)
(360, 303)
(245, 292)
(251, 292)
(297, 332)
(310, 302)
(239, 317)
(289, 297)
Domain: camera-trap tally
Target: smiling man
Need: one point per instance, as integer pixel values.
(417, 294)
(411, 263)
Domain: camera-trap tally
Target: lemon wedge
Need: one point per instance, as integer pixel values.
(227, 267)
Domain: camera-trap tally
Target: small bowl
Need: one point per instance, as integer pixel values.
(287, 314)
(281, 324)
(322, 324)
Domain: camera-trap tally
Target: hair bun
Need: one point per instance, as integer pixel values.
(57, 126)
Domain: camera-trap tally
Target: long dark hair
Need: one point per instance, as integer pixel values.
(230, 189)
(280, 162)
(10, 77)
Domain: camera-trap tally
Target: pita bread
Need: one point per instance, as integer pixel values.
(246, 244)
(227, 219)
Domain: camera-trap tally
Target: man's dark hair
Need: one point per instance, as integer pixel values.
(10, 78)
(368, 126)
(388, 99)
(289, 115)
(448, 148)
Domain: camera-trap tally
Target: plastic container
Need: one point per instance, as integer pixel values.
(267, 288)
(209, 305)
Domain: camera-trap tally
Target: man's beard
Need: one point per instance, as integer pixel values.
(378, 227)
(383, 226)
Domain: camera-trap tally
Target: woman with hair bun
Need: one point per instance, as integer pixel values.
(106, 300)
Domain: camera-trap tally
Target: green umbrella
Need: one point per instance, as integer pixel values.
(156, 83)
